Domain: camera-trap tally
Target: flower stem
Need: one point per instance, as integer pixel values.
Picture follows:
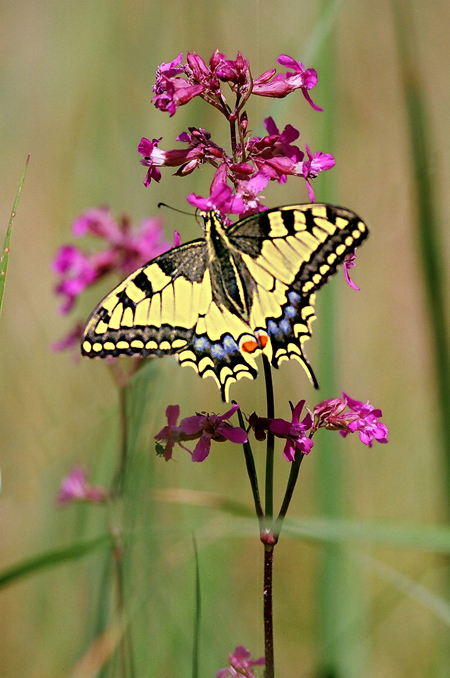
(251, 472)
(270, 439)
(118, 482)
(269, 671)
(293, 477)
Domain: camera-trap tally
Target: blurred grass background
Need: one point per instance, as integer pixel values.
(75, 92)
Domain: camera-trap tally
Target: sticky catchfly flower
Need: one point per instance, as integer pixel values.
(295, 432)
(75, 487)
(240, 665)
(210, 427)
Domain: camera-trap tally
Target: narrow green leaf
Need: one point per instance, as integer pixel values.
(53, 558)
(6, 246)
(428, 538)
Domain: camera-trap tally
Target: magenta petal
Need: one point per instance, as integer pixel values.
(258, 182)
(311, 195)
(297, 411)
(233, 434)
(145, 147)
(270, 126)
(230, 412)
(192, 425)
(169, 450)
(289, 450)
(348, 279)
(310, 101)
(305, 444)
(289, 62)
(172, 414)
(280, 427)
(198, 201)
(202, 448)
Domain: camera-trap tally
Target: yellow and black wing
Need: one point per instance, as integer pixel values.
(168, 307)
(290, 252)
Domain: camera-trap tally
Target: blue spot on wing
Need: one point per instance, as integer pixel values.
(217, 351)
(230, 345)
(285, 327)
(290, 312)
(201, 344)
(272, 327)
(293, 297)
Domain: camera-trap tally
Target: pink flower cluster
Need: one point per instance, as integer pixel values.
(331, 414)
(126, 248)
(202, 427)
(338, 414)
(254, 161)
(240, 665)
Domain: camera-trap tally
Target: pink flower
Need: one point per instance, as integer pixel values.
(236, 73)
(75, 487)
(282, 85)
(76, 271)
(171, 433)
(259, 425)
(126, 250)
(294, 432)
(310, 168)
(282, 140)
(367, 423)
(221, 200)
(240, 664)
(248, 190)
(330, 414)
(350, 262)
(154, 157)
(71, 340)
(171, 90)
(212, 427)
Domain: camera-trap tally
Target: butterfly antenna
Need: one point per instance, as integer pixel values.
(163, 204)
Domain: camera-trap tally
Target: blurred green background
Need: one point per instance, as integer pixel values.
(75, 92)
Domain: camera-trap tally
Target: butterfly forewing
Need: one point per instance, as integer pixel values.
(218, 302)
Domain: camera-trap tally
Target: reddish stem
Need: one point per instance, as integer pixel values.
(269, 671)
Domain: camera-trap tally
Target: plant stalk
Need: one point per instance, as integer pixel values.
(269, 671)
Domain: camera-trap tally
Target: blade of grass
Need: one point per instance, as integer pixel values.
(53, 558)
(429, 238)
(431, 538)
(337, 599)
(4, 259)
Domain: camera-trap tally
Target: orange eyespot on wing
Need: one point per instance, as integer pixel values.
(249, 345)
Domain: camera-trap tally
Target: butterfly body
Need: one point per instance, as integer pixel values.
(218, 301)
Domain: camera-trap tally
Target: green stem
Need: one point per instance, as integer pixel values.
(251, 472)
(270, 440)
(292, 481)
(118, 482)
